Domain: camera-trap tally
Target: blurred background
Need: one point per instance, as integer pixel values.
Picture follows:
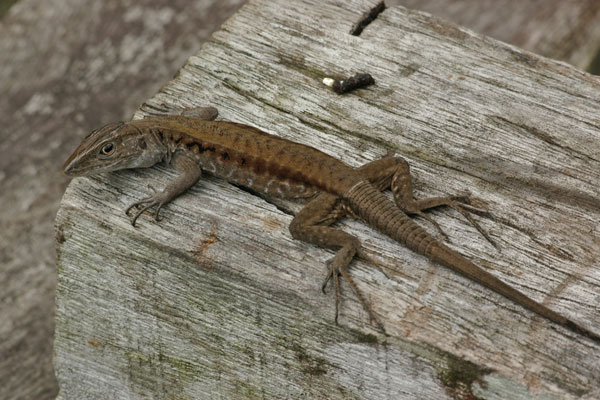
(69, 66)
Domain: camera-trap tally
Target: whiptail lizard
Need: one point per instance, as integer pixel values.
(193, 142)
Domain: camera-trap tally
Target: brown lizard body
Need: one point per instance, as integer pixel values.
(277, 167)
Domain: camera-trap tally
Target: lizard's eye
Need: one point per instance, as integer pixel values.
(108, 149)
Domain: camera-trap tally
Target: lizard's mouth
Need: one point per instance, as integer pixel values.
(70, 167)
(75, 167)
(81, 167)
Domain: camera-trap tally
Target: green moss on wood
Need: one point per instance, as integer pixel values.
(310, 364)
(458, 376)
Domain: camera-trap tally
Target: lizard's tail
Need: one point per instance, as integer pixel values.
(451, 259)
(380, 213)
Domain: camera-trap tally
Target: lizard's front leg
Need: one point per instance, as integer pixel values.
(394, 173)
(202, 113)
(189, 173)
(311, 225)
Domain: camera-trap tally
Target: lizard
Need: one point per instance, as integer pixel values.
(194, 141)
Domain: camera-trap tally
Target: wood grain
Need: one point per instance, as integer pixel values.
(564, 30)
(217, 300)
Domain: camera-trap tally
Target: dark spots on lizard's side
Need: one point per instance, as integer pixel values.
(191, 145)
(287, 173)
(259, 166)
(272, 170)
(225, 156)
(199, 147)
(280, 171)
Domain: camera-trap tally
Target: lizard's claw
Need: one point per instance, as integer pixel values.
(458, 203)
(334, 273)
(328, 277)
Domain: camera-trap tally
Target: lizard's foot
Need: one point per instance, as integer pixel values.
(342, 270)
(458, 203)
(157, 199)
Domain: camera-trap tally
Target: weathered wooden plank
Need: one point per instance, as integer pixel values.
(217, 300)
(563, 30)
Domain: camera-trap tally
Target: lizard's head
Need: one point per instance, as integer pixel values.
(115, 146)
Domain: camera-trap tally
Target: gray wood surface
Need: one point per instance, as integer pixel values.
(217, 300)
(564, 30)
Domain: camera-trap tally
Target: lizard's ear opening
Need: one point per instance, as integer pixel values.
(142, 143)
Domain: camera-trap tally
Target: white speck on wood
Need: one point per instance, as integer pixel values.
(328, 81)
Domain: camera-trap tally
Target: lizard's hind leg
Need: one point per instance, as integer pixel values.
(394, 173)
(311, 225)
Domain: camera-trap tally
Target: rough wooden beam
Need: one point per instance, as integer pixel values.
(217, 300)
